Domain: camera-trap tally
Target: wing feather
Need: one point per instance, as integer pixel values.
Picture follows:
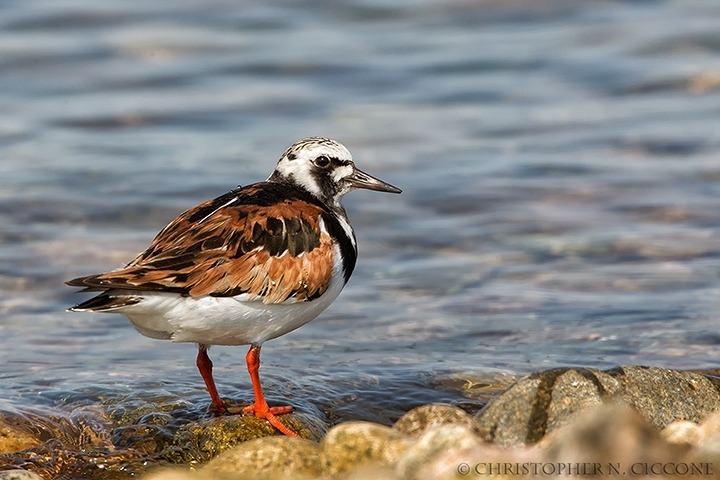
(271, 251)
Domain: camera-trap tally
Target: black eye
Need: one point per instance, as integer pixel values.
(322, 161)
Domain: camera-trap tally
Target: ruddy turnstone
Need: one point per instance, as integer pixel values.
(246, 267)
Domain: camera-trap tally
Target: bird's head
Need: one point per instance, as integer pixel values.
(324, 168)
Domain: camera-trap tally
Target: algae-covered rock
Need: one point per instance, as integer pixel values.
(418, 420)
(203, 440)
(542, 402)
(353, 444)
(268, 457)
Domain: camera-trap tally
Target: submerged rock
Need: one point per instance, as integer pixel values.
(542, 402)
(15, 439)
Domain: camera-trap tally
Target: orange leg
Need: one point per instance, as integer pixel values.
(260, 407)
(205, 366)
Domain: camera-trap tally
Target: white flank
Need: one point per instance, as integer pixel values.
(226, 320)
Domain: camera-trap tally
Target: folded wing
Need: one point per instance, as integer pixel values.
(233, 246)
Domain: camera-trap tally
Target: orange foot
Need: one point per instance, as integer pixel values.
(268, 413)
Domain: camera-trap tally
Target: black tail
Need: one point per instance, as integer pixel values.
(105, 302)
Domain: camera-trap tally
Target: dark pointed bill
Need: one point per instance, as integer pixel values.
(360, 179)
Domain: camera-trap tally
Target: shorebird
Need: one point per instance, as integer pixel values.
(249, 266)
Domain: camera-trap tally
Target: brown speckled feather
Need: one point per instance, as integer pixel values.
(265, 241)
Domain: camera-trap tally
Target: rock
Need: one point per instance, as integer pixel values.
(663, 396)
(439, 441)
(53, 459)
(268, 457)
(709, 437)
(540, 403)
(149, 439)
(15, 439)
(372, 473)
(175, 474)
(482, 386)
(710, 426)
(609, 435)
(707, 451)
(507, 420)
(484, 461)
(682, 432)
(418, 420)
(575, 391)
(351, 445)
(205, 439)
(19, 475)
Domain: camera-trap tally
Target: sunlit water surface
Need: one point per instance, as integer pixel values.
(560, 163)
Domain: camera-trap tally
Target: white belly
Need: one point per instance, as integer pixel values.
(222, 320)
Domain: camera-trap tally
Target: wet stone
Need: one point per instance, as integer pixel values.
(15, 439)
(418, 420)
(354, 444)
(82, 428)
(52, 459)
(268, 457)
(198, 442)
(148, 439)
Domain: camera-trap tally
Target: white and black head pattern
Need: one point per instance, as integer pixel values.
(318, 165)
(324, 168)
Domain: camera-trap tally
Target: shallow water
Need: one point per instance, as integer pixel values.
(559, 161)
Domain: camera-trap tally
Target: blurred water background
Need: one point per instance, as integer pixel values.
(560, 162)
